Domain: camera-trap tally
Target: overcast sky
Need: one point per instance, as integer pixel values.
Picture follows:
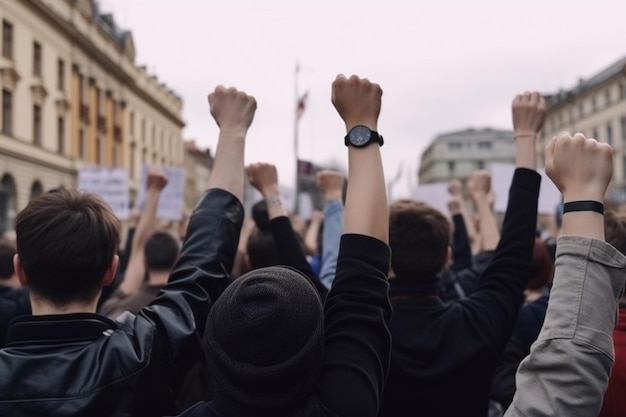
(443, 65)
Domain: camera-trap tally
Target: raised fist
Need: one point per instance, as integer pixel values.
(479, 184)
(317, 217)
(529, 112)
(330, 183)
(263, 177)
(157, 180)
(455, 187)
(232, 109)
(581, 168)
(357, 101)
(454, 204)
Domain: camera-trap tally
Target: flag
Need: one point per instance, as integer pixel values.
(301, 106)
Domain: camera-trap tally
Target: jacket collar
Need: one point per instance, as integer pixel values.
(58, 329)
(401, 288)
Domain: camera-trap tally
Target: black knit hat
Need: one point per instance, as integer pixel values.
(265, 339)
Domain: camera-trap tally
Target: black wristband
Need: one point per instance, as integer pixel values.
(585, 205)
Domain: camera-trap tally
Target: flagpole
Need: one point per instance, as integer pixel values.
(295, 135)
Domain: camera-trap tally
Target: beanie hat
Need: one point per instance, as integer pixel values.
(264, 339)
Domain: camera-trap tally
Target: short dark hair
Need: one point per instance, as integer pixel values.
(615, 229)
(7, 251)
(161, 252)
(542, 268)
(419, 237)
(66, 241)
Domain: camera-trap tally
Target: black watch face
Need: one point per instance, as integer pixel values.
(360, 135)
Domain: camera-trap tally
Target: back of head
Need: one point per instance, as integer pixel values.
(615, 229)
(264, 339)
(260, 247)
(161, 252)
(7, 251)
(419, 237)
(542, 267)
(66, 242)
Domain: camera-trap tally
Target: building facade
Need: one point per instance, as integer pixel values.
(458, 154)
(597, 108)
(198, 166)
(72, 96)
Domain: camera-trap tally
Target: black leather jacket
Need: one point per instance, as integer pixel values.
(88, 365)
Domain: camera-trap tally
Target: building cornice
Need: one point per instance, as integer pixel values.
(91, 50)
(27, 152)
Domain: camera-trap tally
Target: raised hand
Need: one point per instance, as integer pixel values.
(479, 184)
(157, 179)
(330, 183)
(357, 101)
(264, 178)
(454, 205)
(529, 113)
(455, 188)
(581, 168)
(232, 109)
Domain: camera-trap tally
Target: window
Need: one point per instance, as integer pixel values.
(451, 167)
(455, 146)
(609, 134)
(480, 165)
(594, 133)
(117, 155)
(7, 112)
(143, 130)
(7, 40)
(37, 125)
(623, 127)
(484, 145)
(82, 146)
(37, 58)
(131, 123)
(61, 75)
(593, 104)
(99, 150)
(607, 96)
(61, 135)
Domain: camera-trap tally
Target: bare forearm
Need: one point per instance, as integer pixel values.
(489, 232)
(525, 156)
(366, 210)
(583, 223)
(228, 169)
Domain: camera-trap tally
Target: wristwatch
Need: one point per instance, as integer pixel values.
(360, 136)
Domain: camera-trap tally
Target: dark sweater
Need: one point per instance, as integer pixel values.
(444, 355)
(357, 342)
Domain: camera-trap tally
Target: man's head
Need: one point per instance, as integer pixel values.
(161, 252)
(66, 247)
(615, 229)
(419, 237)
(542, 268)
(264, 338)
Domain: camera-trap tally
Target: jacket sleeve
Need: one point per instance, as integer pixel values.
(357, 341)
(568, 368)
(461, 249)
(290, 252)
(499, 295)
(197, 280)
(331, 237)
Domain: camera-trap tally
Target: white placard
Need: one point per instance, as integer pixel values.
(111, 184)
(172, 200)
(435, 195)
(501, 177)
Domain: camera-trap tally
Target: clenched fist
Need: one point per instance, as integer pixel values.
(479, 184)
(264, 178)
(357, 101)
(454, 205)
(529, 113)
(232, 109)
(157, 180)
(330, 183)
(581, 168)
(455, 188)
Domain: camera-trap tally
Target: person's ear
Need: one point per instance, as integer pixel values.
(111, 271)
(19, 270)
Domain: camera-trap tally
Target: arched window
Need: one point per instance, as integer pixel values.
(36, 190)
(8, 203)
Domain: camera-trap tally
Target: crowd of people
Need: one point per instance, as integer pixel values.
(374, 308)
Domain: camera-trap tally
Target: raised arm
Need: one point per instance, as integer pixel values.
(312, 234)
(479, 187)
(357, 310)
(264, 178)
(331, 184)
(135, 272)
(568, 368)
(461, 244)
(201, 272)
